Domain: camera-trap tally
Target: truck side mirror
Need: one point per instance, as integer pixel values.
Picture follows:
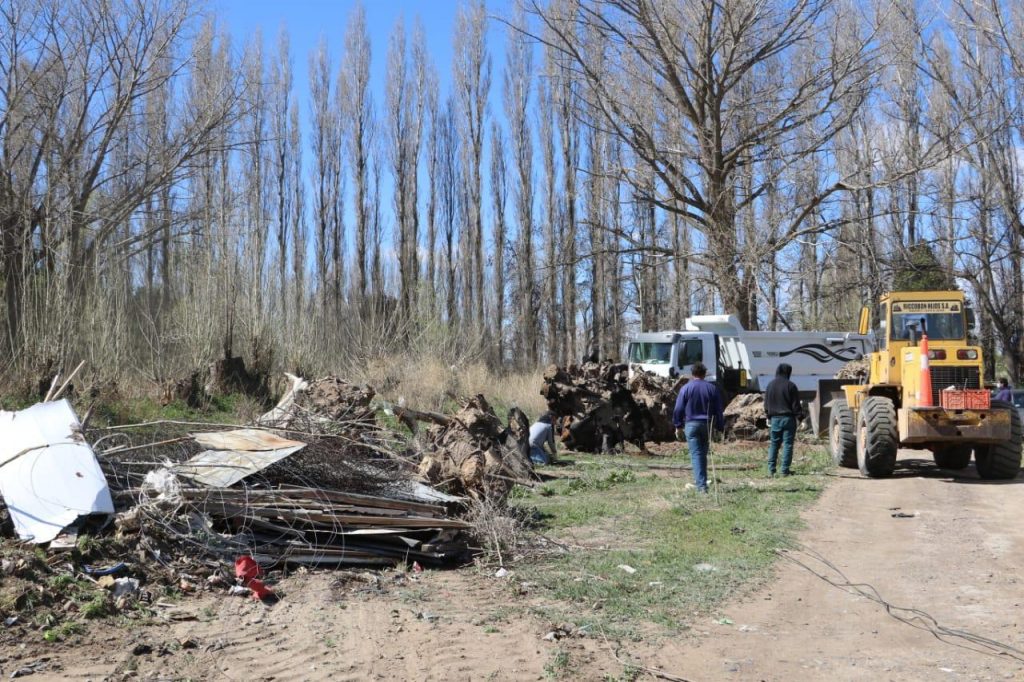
(865, 321)
(969, 312)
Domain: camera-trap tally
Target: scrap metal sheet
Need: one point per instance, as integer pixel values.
(248, 440)
(49, 475)
(236, 454)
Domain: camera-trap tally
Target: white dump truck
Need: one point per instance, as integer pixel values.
(744, 361)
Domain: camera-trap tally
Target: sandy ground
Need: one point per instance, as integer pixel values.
(957, 558)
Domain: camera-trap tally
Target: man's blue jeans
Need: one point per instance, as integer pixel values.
(783, 431)
(697, 440)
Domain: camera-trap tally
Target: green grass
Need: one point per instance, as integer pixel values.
(139, 410)
(559, 665)
(691, 553)
(62, 632)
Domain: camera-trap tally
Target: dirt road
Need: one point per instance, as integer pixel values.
(958, 557)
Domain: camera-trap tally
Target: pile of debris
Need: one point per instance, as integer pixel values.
(745, 417)
(316, 482)
(855, 369)
(326, 405)
(299, 526)
(598, 408)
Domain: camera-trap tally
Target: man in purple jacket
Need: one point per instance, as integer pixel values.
(1004, 393)
(698, 409)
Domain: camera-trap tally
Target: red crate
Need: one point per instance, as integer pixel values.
(965, 399)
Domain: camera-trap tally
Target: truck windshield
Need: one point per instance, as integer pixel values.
(650, 353)
(941, 320)
(691, 351)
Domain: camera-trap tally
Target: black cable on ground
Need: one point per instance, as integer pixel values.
(913, 617)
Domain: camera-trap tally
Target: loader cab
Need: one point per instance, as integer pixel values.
(943, 316)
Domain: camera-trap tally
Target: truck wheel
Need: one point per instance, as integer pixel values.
(877, 441)
(842, 436)
(954, 457)
(1001, 460)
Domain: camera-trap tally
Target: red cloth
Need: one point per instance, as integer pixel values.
(247, 571)
(246, 568)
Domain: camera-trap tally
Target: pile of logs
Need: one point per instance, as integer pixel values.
(745, 418)
(598, 408)
(472, 453)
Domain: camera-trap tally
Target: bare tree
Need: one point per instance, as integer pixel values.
(404, 109)
(358, 117)
(693, 55)
(565, 88)
(297, 216)
(552, 304)
(517, 90)
(433, 109)
(280, 109)
(979, 100)
(449, 183)
(499, 196)
(324, 140)
(472, 82)
(72, 83)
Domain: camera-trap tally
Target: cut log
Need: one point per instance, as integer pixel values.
(473, 453)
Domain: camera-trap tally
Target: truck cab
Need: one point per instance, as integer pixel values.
(672, 353)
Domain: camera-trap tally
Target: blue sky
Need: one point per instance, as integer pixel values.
(308, 20)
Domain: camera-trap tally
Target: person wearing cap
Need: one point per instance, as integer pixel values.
(784, 409)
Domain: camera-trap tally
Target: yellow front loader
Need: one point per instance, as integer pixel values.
(924, 391)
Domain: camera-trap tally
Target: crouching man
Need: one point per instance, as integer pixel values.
(542, 434)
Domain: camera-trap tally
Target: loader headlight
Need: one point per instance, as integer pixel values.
(967, 354)
(937, 354)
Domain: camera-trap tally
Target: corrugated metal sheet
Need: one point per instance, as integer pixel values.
(235, 455)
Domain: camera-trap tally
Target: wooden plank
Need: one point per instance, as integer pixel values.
(292, 493)
(340, 519)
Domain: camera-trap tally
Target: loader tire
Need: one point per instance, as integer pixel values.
(954, 457)
(842, 435)
(1001, 460)
(877, 441)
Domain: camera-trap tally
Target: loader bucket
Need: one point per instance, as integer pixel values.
(821, 407)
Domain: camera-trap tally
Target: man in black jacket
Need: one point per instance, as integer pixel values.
(784, 409)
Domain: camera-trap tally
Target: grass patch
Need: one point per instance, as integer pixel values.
(61, 632)
(138, 410)
(690, 553)
(558, 666)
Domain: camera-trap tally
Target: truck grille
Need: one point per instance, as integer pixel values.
(959, 377)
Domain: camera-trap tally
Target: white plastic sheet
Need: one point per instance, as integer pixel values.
(49, 475)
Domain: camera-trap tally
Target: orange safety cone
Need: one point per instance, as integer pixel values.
(924, 391)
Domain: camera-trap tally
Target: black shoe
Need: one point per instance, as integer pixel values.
(787, 473)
